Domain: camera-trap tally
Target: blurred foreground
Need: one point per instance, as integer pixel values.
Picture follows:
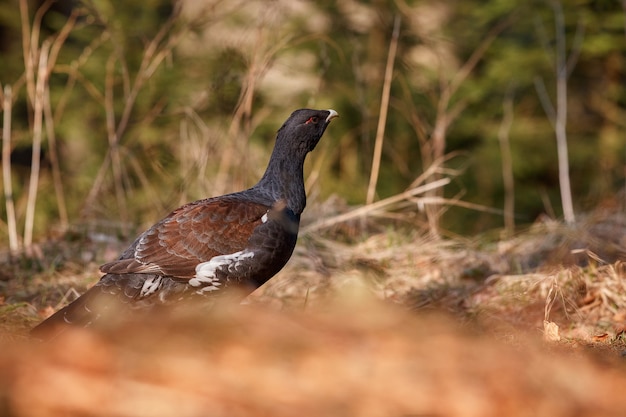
(355, 359)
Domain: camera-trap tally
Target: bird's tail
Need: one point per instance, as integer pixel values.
(82, 312)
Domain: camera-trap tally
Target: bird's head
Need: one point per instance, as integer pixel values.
(304, 128)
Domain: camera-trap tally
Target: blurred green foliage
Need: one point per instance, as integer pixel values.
(205, 85)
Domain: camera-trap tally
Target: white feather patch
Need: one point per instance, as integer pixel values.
(206, 271)
(150, 286)
(264, 218)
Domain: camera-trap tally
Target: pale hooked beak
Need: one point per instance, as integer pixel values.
(332, 115)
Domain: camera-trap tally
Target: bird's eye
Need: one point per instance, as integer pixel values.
(312, 119)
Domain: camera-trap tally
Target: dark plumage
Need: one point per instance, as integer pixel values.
(238, 240)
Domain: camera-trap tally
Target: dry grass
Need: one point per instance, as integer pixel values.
(391, 324)
(504, 282)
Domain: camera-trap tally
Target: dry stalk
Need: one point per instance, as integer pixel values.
(73, 73)
(550, 299)
(61, 38)
(457, 202)
(436, 167)
(558, 115)
(152, 58)
(370, 208)
(561, 115)
(155, 197)
(6, 170)
(242, 115)
(27, 51)
(382, 115)
(155, 53)
(447, 112)
(97, 183)
(49, 121)
(261, 59)
(54, 159)
(42, 77)
(196, 138)
(550, 329)
(38, 96)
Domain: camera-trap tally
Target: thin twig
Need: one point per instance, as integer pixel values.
(363, 211)
(49, 120)
(97, 184)
(61, 38)
(436, 167)
(26, 50)
(153, 56)
(72, 70)
(263, 54)
(561, 112)
(446, 114)
(576, 47)
(6, 170)
(42, 76)
(33, 42)
(455, 202)
(54, 159)
(382, 115)
(544, 99)
(479, 52)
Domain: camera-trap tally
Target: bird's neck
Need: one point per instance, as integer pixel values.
(284, 179)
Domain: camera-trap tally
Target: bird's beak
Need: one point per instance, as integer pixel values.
(332, 115)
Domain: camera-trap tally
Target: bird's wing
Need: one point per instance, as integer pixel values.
(190, 235)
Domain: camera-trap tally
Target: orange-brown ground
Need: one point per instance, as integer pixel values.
(389, 325)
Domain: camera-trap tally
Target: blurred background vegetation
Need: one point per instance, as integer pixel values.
(142, 106)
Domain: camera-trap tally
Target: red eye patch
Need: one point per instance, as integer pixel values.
(312, 119)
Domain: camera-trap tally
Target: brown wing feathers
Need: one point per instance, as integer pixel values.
(190, 235)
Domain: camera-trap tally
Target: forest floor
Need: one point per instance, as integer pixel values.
(393, 323)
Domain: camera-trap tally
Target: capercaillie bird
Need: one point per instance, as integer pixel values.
(238, 240)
